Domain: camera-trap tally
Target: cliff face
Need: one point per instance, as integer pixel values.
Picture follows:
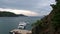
(49, 24)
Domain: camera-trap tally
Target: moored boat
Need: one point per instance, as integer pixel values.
(22, 25)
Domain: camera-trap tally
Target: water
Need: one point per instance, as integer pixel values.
(9, 23)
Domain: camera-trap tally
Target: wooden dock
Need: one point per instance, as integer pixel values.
(19, 31)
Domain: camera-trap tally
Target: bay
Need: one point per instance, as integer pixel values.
(9, 23)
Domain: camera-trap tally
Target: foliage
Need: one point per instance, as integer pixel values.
(56, 17)
(52, 21)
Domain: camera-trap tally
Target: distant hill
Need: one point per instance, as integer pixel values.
(22, 15)
(9, 14)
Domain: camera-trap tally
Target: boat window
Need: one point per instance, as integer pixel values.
(21, 25)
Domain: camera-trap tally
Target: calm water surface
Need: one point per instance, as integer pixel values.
(9, 23)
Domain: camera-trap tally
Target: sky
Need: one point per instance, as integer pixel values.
(27, 7)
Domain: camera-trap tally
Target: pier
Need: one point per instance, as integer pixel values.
(20, 31)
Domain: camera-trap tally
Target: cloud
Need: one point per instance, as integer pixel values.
(39, 6)
(25, 12)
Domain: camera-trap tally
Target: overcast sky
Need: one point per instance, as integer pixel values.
(28, 7)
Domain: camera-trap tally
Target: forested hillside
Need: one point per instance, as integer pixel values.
(50, 24)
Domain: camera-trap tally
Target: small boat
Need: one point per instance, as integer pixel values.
(22, 25)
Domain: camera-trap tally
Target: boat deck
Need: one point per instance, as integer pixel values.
(19, 31)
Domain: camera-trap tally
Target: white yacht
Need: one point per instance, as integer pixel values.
(22, 25)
